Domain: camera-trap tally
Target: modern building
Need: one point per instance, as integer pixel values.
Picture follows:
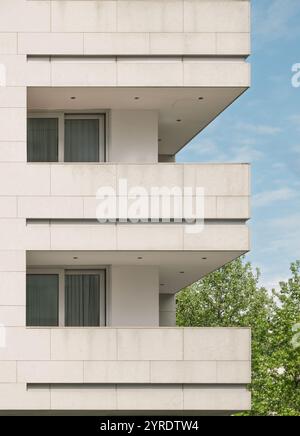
(94, 94)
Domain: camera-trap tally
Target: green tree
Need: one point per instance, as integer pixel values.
(229, 297)
(276, 378)
(232, 297)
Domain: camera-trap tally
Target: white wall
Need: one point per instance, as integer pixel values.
(131, 369)
(134, 296)
(167, 310)
(128, 27)
(117, 29)
(133, 136)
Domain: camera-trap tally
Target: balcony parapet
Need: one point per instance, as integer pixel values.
(128, 368)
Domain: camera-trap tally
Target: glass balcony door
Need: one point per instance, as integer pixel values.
(61, 137)
(71, 298)
(83, 295)
(42, 296)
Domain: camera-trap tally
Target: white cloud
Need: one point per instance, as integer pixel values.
(205, 150)
(259, 129)
(273, 282)
(284, 237)
(291, 222)
(268, 197)
(247, 141)
(203, 147)
(295, 119)
(209, 150)
(267, 130)
(245, 154)
(279, 166)
(296, 148)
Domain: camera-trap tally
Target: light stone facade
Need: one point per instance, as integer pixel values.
(148, 65)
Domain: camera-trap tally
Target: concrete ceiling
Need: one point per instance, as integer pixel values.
(176, 269)
(195, 107)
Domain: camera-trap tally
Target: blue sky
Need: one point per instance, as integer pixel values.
(263, 127)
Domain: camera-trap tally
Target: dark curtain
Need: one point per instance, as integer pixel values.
(82, 140)
(82, 300)
(42, 300)
(42, 139)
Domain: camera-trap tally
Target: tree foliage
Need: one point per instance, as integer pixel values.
(232, 297)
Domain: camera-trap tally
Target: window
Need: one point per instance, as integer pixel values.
(66, 298)
(82, 140)
(42, 300)
(63, 137)
(82, 300)
(42, 137)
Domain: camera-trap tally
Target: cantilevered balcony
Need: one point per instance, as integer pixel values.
(57, 207)
(113, 370)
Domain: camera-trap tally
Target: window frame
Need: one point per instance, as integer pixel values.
(62, 272)
(61, 116)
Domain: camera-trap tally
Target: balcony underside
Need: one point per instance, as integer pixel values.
(195, 107)
(177, 269)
